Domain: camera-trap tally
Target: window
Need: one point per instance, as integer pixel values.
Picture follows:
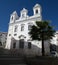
(23, 15)
(0, 43)
(21, 43)
(29, 27)
(36, 11)
(29, 45)
(14, 45)
(22, 27)
(12, 17)
(52, 47)
(9, 34)
(15, 30)
(15, 34)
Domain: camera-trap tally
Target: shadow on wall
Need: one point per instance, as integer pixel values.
(24, 48)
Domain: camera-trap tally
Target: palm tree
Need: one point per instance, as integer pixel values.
(42, 31)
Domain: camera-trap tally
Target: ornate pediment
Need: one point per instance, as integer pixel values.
(22, 36)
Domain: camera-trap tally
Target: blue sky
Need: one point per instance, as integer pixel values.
(49, 10)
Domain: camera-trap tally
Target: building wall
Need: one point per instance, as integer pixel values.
(25, 20)
(54, 41)
(3, 38)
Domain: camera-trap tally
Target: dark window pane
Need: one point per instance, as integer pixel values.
(29, 45)
(0, 43)
(52, 47)
(15, 30)
(36, 11)
(23, 15)
(9, 34)
(12, 17)
(29, 27)
(14, 45)
(15, 34)
(21, 43)
(22, 27)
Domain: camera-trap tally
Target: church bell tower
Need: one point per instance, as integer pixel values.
(37, 10)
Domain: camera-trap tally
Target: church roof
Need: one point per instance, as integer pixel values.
(24, 10)
(14, 12)
(37, 5)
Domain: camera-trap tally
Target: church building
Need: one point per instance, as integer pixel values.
(19, 27)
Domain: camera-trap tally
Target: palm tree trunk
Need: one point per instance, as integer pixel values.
(43, 52)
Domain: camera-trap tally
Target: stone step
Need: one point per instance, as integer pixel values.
(11, 58)
(11, 62)
(17, 64)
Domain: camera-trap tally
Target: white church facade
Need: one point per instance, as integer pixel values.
(18, 37)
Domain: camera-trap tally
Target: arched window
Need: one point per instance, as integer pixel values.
(23, 15)
(11, 18)
(29, 45)
(21, 43)
(36, 11)
(22, 27)
(15, 30)
(29, 26)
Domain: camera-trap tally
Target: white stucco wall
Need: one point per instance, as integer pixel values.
(36, 47)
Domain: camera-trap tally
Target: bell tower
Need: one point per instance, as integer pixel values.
(23, 13)
(37, 10)
(13, 17)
